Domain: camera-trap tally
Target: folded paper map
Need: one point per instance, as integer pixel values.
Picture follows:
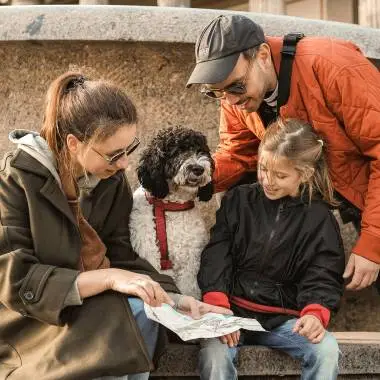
(211, 325)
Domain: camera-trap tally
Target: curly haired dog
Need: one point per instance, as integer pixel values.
(166, 227)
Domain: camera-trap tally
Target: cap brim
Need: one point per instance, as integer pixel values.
(214, 71)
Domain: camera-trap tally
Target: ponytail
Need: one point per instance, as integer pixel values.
(51, 124)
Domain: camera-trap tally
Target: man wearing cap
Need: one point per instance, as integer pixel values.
(333, 87)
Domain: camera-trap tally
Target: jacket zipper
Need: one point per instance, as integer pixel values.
(271, 236)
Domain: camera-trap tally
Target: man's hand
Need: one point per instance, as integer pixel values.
(363, 271)
(310, 327)
(231, 339)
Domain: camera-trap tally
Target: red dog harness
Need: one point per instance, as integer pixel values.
(159, 208)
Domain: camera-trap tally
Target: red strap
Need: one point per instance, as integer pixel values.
(319, 311)
(159, 208)
(245, 304)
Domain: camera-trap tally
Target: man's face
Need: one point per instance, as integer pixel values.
(257, 75)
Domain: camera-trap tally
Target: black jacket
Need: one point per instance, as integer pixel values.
(283, 253)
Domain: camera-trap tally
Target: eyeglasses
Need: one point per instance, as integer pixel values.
(125, 152)
(236, 88)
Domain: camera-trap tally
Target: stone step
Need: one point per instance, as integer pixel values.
(357, 337)
(360, 360)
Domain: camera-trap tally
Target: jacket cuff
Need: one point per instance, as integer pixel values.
(217, 299)
(44, 292)
(319, 311)
(368, 246)
(73, 297)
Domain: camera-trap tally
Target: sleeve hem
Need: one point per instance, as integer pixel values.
(319, 311)
(217, 299)
(368, 246)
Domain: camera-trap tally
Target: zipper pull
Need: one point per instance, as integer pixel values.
(279, 211)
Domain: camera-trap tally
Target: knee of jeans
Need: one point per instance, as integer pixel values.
(327, 349)
(214, 351)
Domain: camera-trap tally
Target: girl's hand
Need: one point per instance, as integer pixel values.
(310, 327)
(139, 285)
(231, 339)
(196, 309)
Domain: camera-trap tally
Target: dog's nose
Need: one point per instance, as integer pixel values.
(196, 169)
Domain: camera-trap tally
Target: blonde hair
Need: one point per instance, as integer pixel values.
(297, 142)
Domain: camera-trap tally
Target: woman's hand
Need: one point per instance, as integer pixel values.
(139, 285)
(196, 309)
(310, 327)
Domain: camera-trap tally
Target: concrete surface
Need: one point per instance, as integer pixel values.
(358, 361)
(155, 24)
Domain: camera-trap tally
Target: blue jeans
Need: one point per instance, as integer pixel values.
(149, 331)
(319, 361)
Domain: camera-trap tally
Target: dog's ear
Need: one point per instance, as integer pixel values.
(151, 175)
(205, 192)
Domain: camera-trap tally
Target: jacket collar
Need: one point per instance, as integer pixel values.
(24, 161)
(50, 190)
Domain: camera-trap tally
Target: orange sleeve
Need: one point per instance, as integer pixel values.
(357, 105)
(237, 149)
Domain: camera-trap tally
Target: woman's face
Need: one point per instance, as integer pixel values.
(99, 158)
(279, 178)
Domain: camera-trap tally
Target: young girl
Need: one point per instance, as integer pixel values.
(276, 254)
(65, 257)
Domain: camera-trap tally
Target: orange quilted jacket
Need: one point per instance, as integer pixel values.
(337, 90)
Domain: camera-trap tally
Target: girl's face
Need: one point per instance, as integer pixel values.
(99, 158)
(279, 178)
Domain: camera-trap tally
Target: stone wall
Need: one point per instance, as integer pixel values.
(37, 47)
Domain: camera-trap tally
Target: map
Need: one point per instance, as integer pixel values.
(211, 325)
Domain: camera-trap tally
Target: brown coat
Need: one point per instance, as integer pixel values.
(39, 253)
(337, 89)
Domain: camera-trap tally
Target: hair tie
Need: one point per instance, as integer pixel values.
(320, 141)
(75, 83)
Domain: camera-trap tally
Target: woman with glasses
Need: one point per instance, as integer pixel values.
(72, 289)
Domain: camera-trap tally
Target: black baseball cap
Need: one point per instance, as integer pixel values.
(219, 45)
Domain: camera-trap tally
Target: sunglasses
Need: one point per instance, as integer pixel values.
(236, 88)
(125, 152)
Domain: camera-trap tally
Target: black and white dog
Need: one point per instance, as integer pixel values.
(166, 226)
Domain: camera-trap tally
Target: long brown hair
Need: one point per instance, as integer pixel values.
(297, 142)
(90, 110)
